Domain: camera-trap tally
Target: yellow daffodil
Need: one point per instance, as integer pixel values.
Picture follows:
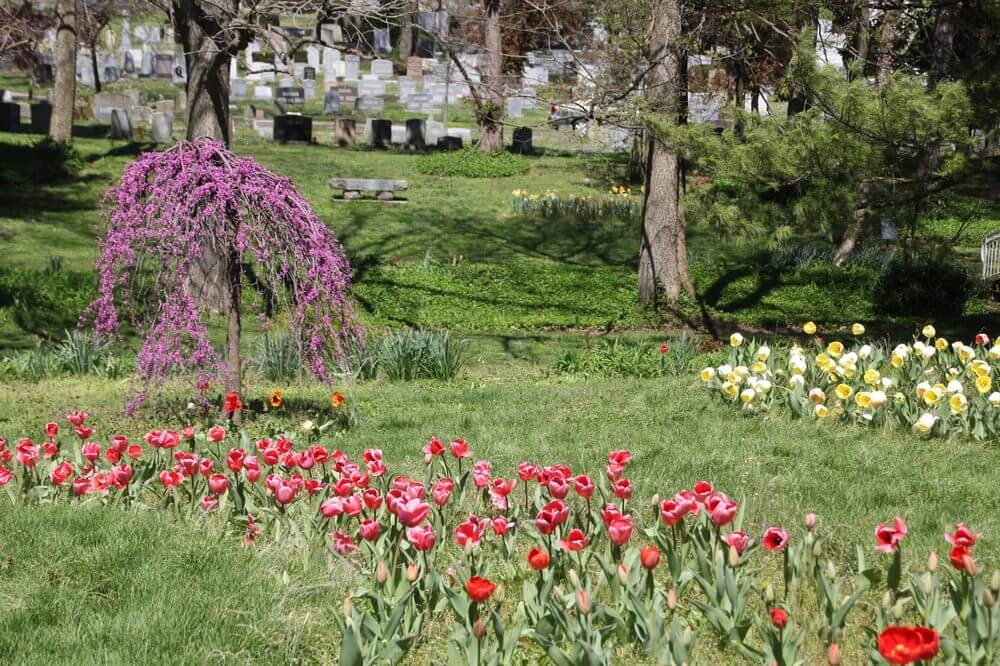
(821, 411)
(958, 403)
(824, 362)
(929, 331)
(858, 329)
(735, 340)
(730, 389)
(843, 391)
(835, 348)
(809, 328)
(984, 384)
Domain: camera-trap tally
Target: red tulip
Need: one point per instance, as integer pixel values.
(721, 509)
(60, 473)
(412, 512)
(779, 617)
(234, 460)
(620, 530)
(982, 339)
(343, 543)
(433, 448)
(551, 516)
(906, 645)
(218, 484)
(51, 430)
(122, 475)
(775, 539)
(209, 503)
(963, 536)
(77, 418)
(469, 532)
(960, 557)
(538, 559)
(422, 537)
(372, 498)
(558, 487)
(232, 403)
(134, 451)
(887, 538)
(575, 541)
(672, 511)
(171, 478)
(441, 491)
(500, 525)
(81, 485)
(5, 476)
(584, 486)
(50, 449)
(650, 557)
(702, 490)
(622, 489)
(83, 432)
(526, 471)
(664, 347)
(479, 589)
(460, 449)
(216, 434)
(369, 529)
(620, 458)
(90, 451)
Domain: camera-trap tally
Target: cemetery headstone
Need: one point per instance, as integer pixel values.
(381, 39)
(370, 104)
(238, 89)
(165, 106)
(141, 114)
(381, 133)
(263, 93)
(121, 125)
(10, 117)
(382, 67)
(163, 66)
(419, 103)
(348, 95)
(291, 96)
(309, 73)
(104, 103)
(460, 132)
(162, 127)
(331, 103)
(41, 117)
(128, 63)
(415, 134)
(449, 143)
(522, 141)
(292, 129)
(181, 102)
(309, 87)
(146, 67)
(435, 130)
(345, 133)
(371, 88)
(514, 108)
(415, 67)
(398, 134)
(405, 86)
(352, 66)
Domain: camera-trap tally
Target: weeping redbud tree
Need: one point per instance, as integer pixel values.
(197, 229)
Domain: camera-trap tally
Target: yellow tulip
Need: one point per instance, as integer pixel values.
(760, 367)
(735, 339)
(835, 348)
(858, 329)
(863, 399)
(707, 374)
(983, 384)
(843, 391)
(872, 376)
(747, 396)
(941, 344)
(809, 328)
(958, 403)
(929, 331)
(931, 396)
(821, 411)
(730, 389)
(897, 361)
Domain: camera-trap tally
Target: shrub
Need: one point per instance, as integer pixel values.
(472, 163)
(30, 365)
(53, 161)
(923, 283)
(45, 302)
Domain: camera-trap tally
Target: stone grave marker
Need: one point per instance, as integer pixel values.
(165, 106)
(309, 87)
(460, 133)
(105, 102)
(41, 117)
(415, 134)
(345, 133)
(415, 67)
(371, 88)
(309, 73)
(380, 135)
(263, 93)
(522, 141)
(146, 66)
(449, 143)
(10, 117)
(381, 39)
(405, 86)
(435, 130)
(331, 102)
(398, 134)
(370, 105)
(181, 102)
(352, 66)
(382, 68)
(291, 96)
(162, 127)
(514, 108)
(292, 129)
(238, 89)
(419, 103)
(121, 125)
(141, 114)
(348, 95)
(163, 66)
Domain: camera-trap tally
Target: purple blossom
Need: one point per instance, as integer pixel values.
(175, 212)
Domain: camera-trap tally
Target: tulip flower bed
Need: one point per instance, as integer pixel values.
(932, 386)
(598, 572)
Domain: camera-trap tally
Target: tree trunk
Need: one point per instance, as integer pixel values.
(800, 100)
(861, 37)
(64, 91)
(93, 63)
(886, 42)
(853, 234)
(207, 70)
(943, 51)
(406, 32)
(660, 264)
(491, 115)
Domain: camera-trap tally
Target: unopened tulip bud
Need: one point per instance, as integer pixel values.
(932, 561)
(469, 547)
(768, 592)
(412, 572)
(381, 573)
(970, 565)
(833, 654)
(671, 598)
(479, 629)
(687, 637)
(817, 549)
(831, 570)
(574, 579)
(926, 583)
(656, 507)
(734, 557)
(348, 607)
(810, 521)
(887, 599)
(623, 574)
(899, 610)
(583, 601)
(995, 581)
(989, 598)
(451, 574)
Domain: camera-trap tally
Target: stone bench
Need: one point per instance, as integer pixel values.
(385, 190)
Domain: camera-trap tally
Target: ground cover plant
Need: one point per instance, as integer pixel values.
(932, 386)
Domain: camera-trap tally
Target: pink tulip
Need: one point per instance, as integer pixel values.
(285, 493)
(187, 433)
(81, 485)
(721, 509)
(218, 484)
(673, 511)
(60, 473)
(343, 543)
(609, 513)
(622, 489)
(441, 491)
(51, 450)
(501, 525)
(584, 486)
(526, 471)
(620, 530)
(171, 478)
(353, 505)
(332, 507)
(552, 515)
(621, 458)
(5, 476)
(122, 475)
(702, 491)
(982, 339)
(372, 499)
(77, 418)
(51, 430)
(433, 448)
(369, 529)
(27, 453)
(737, 540)
(422, 537)
(460, 449)
(481, 473)
(209, 503)
(558, 487)
(163, 439)
(887, 538)
(206, 466)
(412, 512)
(574, 542)
(216, 434)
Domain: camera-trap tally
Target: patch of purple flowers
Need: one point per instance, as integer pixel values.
(175, 212)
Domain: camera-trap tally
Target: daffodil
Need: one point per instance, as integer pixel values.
(735, 340)
(809, 328)
(929, 331)
(958, 403)
(858, 329)
(843, 391)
